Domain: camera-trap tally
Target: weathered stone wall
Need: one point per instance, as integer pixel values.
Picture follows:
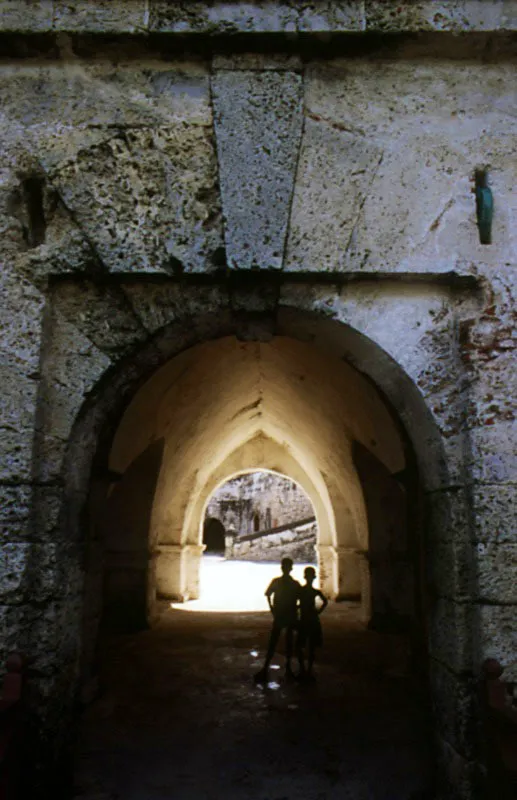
(297, 543)
(258, 501)
(136, 189)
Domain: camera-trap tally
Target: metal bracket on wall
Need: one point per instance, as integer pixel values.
(484, 206)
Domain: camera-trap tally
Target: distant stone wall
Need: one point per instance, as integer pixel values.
(298, 543)
(258, 501)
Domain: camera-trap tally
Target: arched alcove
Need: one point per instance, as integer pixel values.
(283, 405)
(257, 507)
(213, 535)
(357, 395)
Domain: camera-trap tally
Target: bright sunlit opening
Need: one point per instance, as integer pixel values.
(235, 585)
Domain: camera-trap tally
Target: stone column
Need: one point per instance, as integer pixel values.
(192, 554)
(349, 573)
(170, 572)
(177, 571)
(328, 568)
(366, 590)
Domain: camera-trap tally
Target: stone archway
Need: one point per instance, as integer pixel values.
(89, 472)
(343, 560)
(283, 405)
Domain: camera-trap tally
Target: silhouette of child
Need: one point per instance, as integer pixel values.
(309, 631)
(283, 595)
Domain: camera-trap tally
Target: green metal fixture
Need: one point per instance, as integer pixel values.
(484, 206)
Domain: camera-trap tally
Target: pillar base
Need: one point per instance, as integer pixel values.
(177, 571)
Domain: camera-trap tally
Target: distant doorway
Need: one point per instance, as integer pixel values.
(213, 535)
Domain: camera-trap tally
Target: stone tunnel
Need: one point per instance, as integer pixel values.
(257, 236)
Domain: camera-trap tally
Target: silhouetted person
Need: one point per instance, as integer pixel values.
(283, 596)
(309, 630)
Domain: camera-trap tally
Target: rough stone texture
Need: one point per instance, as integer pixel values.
(11, 629)
(31, 16)
(264, 16)
(459, 15)
(454, 708)
(325, 207)
(14, 514)
(157, 305)
(258, 126)
(415, 324)
(102, 315)
(258, 501)
(376, 178)
(101, 16)
(457, 777)
(401, 226)
(13, 568)
(72, 367)
(296, 543)
(497, 573)
(134, 167)
(495, 511)
(498, 633)
(451, 628)
(261, 16)
(21, 311)
(492, 458)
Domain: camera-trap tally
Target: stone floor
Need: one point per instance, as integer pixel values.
(179, 717)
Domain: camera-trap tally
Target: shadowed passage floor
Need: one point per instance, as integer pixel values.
(179, 716)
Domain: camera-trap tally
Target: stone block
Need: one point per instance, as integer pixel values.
(258, 123)
(36, 572)
(457, 777)
(257, 300)
(450, 627)
(28, 513)
(498, 633)
(447, 516)
(15, 504)
(495, 513)
(452, 569)
(492, 456)
(55, 571)
(256, 61)
(262, 16)
(100, 314)
(55, 631)
(74, 363)
(496, 568)
(461, 16)
(335, 170)
(337, 16)
(16, 455)
(454, 708)
(21, 315)
(11, 633)
(157, 305)
(48, 457)
(19, 398)
(27, 16)
(100, 16)
(147, 198)
(14, 565)
(492, 400)
(430, 140)
(96, 96)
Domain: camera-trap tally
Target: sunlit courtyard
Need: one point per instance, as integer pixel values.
(231, 585)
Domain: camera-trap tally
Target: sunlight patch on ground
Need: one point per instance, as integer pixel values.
(235, 585)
